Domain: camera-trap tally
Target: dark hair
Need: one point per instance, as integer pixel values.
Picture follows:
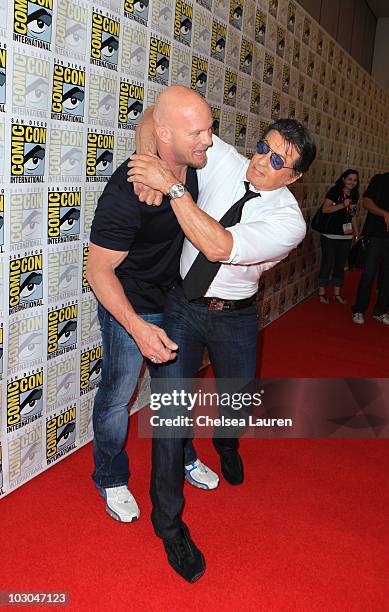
(294, 133)
(354, 193)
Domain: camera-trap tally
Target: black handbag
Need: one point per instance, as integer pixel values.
(358, 252)
(328, 223)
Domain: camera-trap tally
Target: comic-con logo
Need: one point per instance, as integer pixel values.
(215, 119)
(99, 156)
(236, 13)
(64, 209)
(28, 150)
(62, 274)
(218, 40)
(199, 74)
(62, 330)
(255, 97)
(30, 84)
(240, 130)
(33, 22)
(25, 282)
(70, 30)
(61, 381)
(230, 86)
(60, 434)
(25, 454)
(84, 282)
(130, 104)
(183, 19)
(25, 342)
(159, 61)
(24, 400)
(3, 66)
(246, 56)
(137, 10)
(260, 26)
(67, 100)
(268, 69)
(105, 41)
(91, 366)
(65, 155)
(102, 99)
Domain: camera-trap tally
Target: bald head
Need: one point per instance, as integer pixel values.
(177, 101)
(183, 122)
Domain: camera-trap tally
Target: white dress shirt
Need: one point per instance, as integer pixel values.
(271, 224)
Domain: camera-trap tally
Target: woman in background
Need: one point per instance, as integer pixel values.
(341, 200)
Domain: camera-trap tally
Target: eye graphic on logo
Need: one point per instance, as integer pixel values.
(68, 222)
(237, 13)
(68, 333)
(65, 437)
(31, 224)
(186, 27)
(232, 91)
(204, 35)
(30, 455)
(165, 15)
(34, 161)
(215, 125)
(140, 6)
(65, 384)
(201, 80)
(39, 22)
(104, 162)
(182, 72)
(135, 110)
(36, 93)
(109, 47)
(106, 105)
(138, 56)
(67, 278)
(2, 78)
(31, 286)
(71, 162)
(30, 346)
(95, 370)
(220, 45)
(162, 65)
(72, 99)
(31, 402)
(248, 59)
(75, 35)
(1, 221)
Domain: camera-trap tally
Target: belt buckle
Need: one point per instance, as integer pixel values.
(216, 304)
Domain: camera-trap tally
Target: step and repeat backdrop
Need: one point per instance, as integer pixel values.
(75, 76)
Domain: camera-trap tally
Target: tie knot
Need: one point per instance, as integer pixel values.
(248, 190)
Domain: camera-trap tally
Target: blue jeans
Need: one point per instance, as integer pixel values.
(231, 339)
(377, 259)
(122, 362)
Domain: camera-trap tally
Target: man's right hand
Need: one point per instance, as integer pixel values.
(148, 196)
(152, 341)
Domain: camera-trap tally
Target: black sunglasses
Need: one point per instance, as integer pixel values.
(276, 161)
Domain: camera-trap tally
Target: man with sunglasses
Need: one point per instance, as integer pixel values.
(223, 318)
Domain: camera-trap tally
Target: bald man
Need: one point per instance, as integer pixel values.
(133, 261)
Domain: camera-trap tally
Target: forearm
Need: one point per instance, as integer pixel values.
(372, 207)
(206, 234)
(145, 135)
(330, 207)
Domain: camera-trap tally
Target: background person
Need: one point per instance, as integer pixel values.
(341, 200)
(376, 228)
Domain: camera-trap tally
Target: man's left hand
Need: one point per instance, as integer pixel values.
(151, 171)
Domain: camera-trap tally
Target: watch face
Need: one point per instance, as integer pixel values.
(177, 191)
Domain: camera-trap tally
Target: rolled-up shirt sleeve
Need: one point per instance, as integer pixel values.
(269, 239)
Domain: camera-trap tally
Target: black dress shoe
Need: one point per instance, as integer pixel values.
(232, 466)
(184, 556)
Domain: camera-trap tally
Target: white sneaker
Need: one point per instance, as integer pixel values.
(120, 504)
(201, 476)
(384, 318)
(358, 318)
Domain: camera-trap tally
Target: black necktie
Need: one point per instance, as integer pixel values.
(202, 271)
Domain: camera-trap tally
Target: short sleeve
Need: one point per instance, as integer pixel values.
(333, 195)
(117, 216)
(374, 188)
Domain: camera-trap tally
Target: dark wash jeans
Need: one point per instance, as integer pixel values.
(334, 252)
(122, 362)
(377, 259)
(231, 339)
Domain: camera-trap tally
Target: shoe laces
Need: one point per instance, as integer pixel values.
(123, 495)
(201, 467)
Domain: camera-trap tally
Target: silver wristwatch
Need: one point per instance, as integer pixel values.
(176, 191)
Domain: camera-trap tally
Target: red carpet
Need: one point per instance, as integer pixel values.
(307, 530)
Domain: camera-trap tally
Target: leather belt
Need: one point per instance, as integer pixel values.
(215, 303)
